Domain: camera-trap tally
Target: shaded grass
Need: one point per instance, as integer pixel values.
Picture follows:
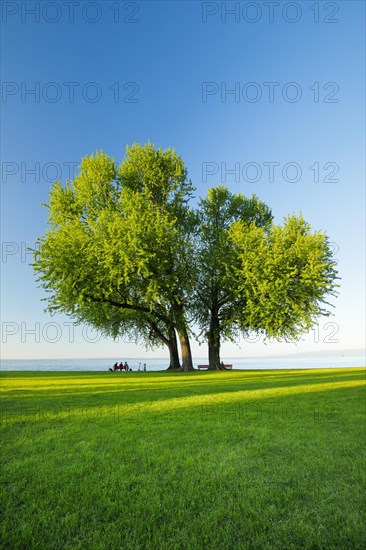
(241, 459)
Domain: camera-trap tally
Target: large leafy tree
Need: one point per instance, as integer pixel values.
(217, 303)
(125, 253)
(161, 178)
(116, 254)
(254, 276)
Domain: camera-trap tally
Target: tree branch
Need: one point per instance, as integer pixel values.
(158, 332)
(126, 305)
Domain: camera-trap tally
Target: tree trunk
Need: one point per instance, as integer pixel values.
(169, 339)
(173, 351)
(213, 339)
(181, 326)
(187, 363)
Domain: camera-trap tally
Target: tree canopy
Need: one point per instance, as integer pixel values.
(217, 303)
(116, 252)
(126, 253)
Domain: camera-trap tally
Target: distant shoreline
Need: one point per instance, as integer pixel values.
(171, 372)
(239, 364)
(301, 354)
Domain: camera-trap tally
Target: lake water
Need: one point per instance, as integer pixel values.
(157, 364)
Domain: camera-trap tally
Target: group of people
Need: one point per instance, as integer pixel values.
(120, 367)
(126, 367)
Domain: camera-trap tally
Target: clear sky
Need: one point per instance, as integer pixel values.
(266, 97)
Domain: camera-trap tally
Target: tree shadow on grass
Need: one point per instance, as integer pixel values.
(223, 403)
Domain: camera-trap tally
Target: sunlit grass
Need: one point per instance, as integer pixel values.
(241, 459)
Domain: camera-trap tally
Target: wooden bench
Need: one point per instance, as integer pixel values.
(227, 366)
(120, 367)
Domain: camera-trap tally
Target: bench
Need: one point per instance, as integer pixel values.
(121, 367)
(227, 366)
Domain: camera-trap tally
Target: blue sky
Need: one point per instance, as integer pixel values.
(119, 72)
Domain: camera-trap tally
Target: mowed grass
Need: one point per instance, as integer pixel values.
(242, 459)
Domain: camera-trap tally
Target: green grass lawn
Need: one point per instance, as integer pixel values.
(242, 459)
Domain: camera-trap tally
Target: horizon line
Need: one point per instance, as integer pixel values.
(362, 351)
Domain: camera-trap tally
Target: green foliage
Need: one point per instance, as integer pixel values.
(256, 276)
(116, 241)
(282, 276)
(216, 255)
(159, 175)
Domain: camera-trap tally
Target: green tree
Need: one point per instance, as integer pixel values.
(125, 253)
(116, 254)
(253, 276)
(217, 303)
(161, 177)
